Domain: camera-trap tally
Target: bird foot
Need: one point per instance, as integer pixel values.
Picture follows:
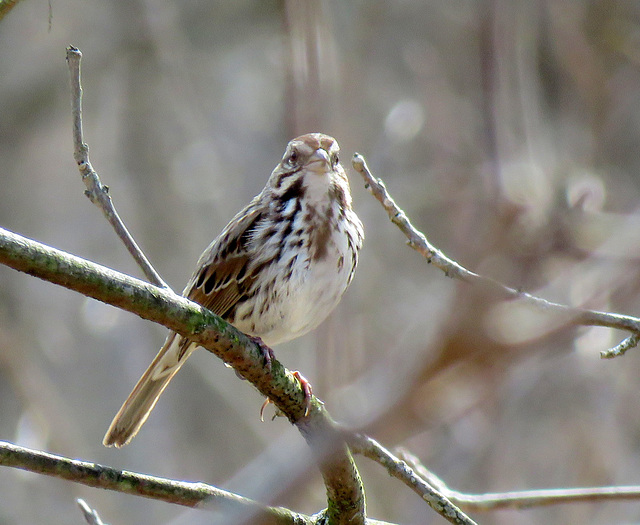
(306, 389)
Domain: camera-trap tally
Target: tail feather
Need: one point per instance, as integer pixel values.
(136, 409)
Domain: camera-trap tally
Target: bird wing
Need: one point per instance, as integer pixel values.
(224, 276)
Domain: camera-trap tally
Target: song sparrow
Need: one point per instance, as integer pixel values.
(275, 272)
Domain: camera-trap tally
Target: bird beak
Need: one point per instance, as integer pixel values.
(319, 161)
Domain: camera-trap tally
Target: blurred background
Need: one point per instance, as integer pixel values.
(509, 131)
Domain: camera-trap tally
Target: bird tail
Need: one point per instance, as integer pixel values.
(143, 398)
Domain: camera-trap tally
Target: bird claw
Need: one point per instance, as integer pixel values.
(267, 353)
(306, 389)
(264, 405)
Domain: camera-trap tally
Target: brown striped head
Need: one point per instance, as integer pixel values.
(314, 151)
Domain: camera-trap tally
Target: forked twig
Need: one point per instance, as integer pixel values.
(97, 192)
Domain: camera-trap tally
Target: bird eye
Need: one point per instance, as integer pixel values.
(336, 159)
(293, 158)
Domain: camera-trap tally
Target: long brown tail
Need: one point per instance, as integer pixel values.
(136, 409)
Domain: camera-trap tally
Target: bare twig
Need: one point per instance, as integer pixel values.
(538, 498)
(523, 499)
(418, 241)
(97, 192)
(399, 469)
(620, 349)
(408, 469)
(90, 515)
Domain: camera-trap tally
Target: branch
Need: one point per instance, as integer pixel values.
(97, 192)
(561, 313)
(428, 486)
(419, 478)
(91, 516)
(161, 489)
(344, 487)
(524, 499)
(621, 348)
(183, 493)
(399, 469)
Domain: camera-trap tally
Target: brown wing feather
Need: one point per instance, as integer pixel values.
(225, 269)
(221, 286)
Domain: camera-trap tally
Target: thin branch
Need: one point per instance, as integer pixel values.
(91, 516)
(523, 499)
(162, 489)
(426, 484)
(538, 498)
(418, 241)
(620, 349)
(344, 487)
(399, 469)
(97, 192)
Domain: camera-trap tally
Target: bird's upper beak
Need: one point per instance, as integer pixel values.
(319, 161)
